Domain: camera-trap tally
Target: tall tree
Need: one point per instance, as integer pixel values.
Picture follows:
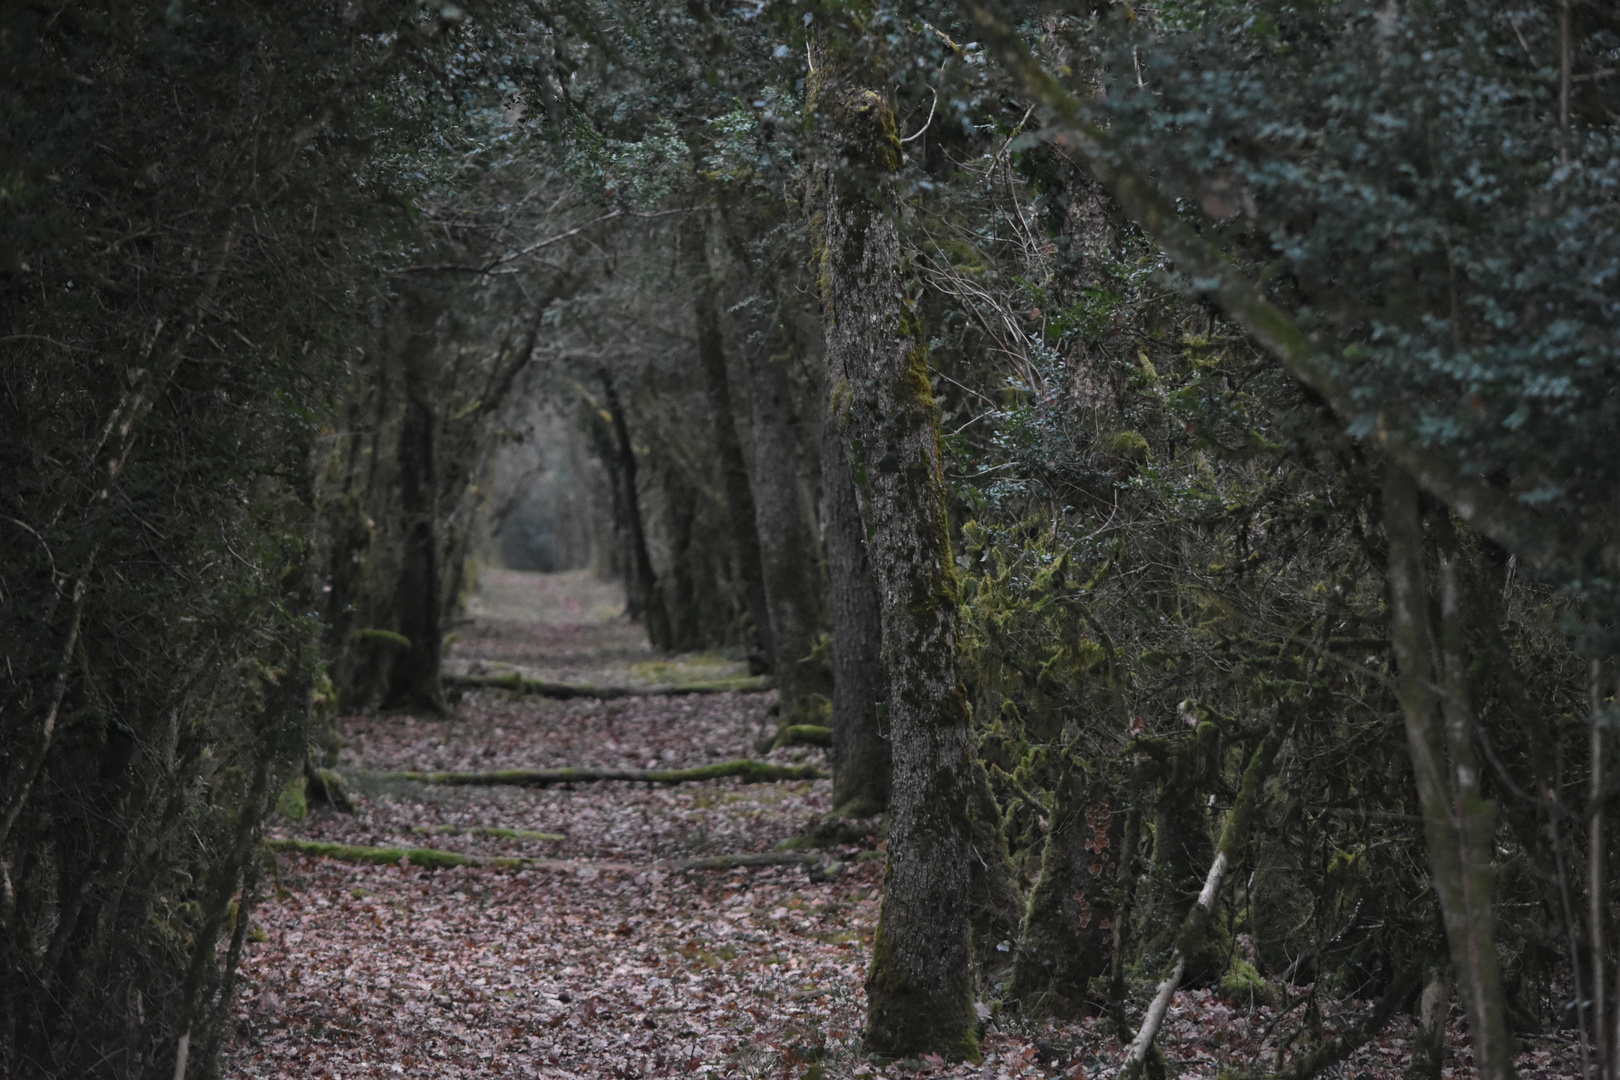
(920, 983)
(646, 599)
(861, 756)
(738, 489)
(413, 681)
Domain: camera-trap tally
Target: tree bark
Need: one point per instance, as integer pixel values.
(739, 492)
(644, 599)
(787, 562)
(919, 986)
(1458, 822)
(1605, 1047)
(413, 676)
(860, 758)
(1429, 1041)
(1068, 931)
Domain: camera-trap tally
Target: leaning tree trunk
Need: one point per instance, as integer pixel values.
(728, 448)
(860, 753)
(785, 554)
(413, 677)
(1458, 822)
(919, 987)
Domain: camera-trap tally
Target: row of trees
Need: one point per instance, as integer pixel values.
(1178, 436)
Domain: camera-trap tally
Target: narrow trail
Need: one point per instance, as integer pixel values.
(596, 961)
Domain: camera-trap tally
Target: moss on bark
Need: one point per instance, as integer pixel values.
(920, 985)
(1068, 935)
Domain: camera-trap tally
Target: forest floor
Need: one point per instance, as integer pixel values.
(598, 959)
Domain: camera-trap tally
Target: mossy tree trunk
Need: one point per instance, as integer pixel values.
(919, 987)
(728, 449)
(1068, 933)
(1197, 928)
(1459, 823)
(1183, 846)
(995, 900)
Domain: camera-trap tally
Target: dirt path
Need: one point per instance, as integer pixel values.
(597, 963)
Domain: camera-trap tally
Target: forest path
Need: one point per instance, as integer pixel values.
(569, 628)
(595, 961)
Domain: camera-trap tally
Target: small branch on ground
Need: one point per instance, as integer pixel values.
(747, 770)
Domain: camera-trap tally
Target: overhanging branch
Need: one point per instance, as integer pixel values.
(1308, 356)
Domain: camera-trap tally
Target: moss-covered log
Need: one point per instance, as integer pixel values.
(436, 859)
(387, 856)
(493, 832)
(743, 768)
(805, 735)
(565, 691)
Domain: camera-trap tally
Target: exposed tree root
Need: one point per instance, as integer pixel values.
(435, 858)
(542, 688)
(749, 771)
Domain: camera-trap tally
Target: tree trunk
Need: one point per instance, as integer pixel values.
(1458, 823)
(787, 562)
(1429, 1041)
(1068, 932)
(413, 677)
(860, 757)
(919, 987)
(1199, 922)
(644, 599)
(728, 448)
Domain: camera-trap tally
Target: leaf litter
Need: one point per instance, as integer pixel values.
(596, 963)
